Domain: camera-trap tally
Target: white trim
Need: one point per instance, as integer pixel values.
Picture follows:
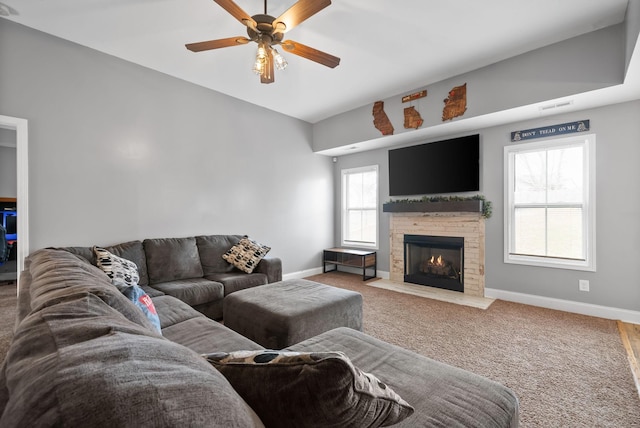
(302, 273)
(383, 274)
(607, 312)
(21, 127)
(343, 210)
(625, 315)
(316, 271)
(586, 141)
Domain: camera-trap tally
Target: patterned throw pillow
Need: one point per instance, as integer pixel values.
(123, 272)
(246, 254)
(310, 389)
(124, 275)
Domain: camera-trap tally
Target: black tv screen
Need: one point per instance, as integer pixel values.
(446, 166)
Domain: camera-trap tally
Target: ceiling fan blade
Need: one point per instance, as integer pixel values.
(297, 13)
(237, 12)
(310, 53)
(268, 75)
(216, 44)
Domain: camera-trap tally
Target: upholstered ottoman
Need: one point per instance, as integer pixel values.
(283, 313)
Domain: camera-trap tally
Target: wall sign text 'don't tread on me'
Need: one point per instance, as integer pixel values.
(550, 131)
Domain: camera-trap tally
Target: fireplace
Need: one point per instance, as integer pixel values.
(436, 261)
(467, 225)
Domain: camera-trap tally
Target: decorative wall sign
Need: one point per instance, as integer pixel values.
(380, 119)
(456, 104)
(550, 131)
(414, 96)
(412, 118)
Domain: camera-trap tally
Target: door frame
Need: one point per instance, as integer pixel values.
(22, 171)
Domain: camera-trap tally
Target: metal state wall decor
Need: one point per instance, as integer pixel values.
(412, 118)
(381, 120)
(456, 103)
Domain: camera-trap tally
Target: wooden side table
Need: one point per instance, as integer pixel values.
(362, 259)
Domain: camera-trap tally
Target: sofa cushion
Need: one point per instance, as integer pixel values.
(443, 396)
(211, 310)
(53, 276)
(202, 335)
(79, 363)
(310, 389)
(152, 292)
(173, 311)
(194, 291)
(246, 254)
(212, 248)
(124, 276)
(172, 258)
(132, 250)
(234, 281)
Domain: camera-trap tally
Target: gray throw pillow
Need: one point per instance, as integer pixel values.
(321, 389)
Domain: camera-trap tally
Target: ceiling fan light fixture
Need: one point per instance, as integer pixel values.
(279, 60)
(261, 59)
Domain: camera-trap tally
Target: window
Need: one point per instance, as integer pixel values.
(360, 207)
(550, 203)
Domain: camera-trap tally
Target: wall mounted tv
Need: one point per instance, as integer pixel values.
(446, 166)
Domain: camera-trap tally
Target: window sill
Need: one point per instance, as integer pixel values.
(359, 246)
(550, 263)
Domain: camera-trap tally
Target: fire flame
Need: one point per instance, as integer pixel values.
(437, 262)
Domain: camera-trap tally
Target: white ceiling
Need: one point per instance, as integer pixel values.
(386, 47)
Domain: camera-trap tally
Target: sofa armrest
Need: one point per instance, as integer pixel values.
(272, 267)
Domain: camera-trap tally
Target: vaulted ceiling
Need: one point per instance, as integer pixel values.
(386, 47)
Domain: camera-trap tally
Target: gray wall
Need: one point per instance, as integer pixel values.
(615, 283)
(8, 183)
(119, 152)
(542, 74)
(632, 22)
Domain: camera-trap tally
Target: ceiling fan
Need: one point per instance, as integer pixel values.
(268, 32)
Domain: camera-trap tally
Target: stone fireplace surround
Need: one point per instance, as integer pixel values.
(468, 225)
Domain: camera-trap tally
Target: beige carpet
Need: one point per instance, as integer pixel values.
(568, 370)
(7, 316)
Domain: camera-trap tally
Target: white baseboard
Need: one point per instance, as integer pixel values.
(302, 273)
(624, 315)
(318, 270)
(607, 312)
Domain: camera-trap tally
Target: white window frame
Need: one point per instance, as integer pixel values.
(588, 142)
(344, 231)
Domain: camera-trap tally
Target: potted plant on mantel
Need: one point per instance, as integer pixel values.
(476, 203)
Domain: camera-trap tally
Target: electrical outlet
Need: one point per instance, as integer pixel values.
(583, 284)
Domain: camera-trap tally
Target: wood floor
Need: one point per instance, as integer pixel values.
(630, 335)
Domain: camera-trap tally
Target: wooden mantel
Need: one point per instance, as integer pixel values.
(472, 205)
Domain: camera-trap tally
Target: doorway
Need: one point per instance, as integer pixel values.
(20, 127)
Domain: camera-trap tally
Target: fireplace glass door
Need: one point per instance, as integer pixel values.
(436, 261)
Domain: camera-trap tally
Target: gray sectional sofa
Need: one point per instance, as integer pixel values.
(84, 355)
(191, 269)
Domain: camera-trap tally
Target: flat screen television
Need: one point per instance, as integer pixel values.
(446, 166)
